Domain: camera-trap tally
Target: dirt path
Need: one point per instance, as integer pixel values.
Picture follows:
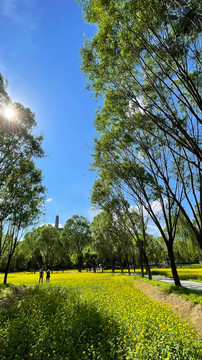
(187, 310)
(11, 295)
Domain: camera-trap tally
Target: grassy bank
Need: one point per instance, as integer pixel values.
(194, 296)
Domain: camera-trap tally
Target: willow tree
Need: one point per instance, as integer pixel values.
(142, 186)
(111, 240)
(107, 195)
(77, 236)
(144, 61)
(147, 53)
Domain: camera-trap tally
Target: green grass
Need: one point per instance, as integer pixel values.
(6, 290)
(194, 296)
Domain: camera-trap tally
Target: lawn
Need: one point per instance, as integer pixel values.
(91, 316)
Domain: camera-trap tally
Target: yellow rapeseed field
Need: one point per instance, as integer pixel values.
(92, 316)
(184, 274)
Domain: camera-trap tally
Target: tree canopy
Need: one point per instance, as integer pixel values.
(144, 63)
(21, 190)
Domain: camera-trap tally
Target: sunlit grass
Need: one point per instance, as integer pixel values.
(194, 296)
(92, 316)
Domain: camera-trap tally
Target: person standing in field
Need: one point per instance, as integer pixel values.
(47, 276)
(41, 276)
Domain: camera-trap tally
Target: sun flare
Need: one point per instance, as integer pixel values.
(9, 113)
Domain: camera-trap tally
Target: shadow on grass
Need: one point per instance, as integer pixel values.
(194, 296)
(3, 287)
(54, 323)
(10, 294)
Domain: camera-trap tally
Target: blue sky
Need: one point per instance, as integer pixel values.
(39, 55)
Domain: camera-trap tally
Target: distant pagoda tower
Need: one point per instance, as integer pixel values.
(57, 222)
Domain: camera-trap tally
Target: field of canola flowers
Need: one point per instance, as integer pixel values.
(194, 273)
(184, 274)
(92, 316)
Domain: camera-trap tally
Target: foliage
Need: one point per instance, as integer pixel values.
(186, 248)
(77, 232)
(48, 242)
(21, 190)
(19, 145)
(109, 239)
(143, 60)
(77, 235)
(90, 258)
(142, 57)
(41, 247)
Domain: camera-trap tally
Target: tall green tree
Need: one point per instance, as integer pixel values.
(30, 248)
(42, 247)
(90, 258)
(77, 234)
(21, 189)
(104, 238)
(107, 195)
(26, 193)
(48, 241)
(19, 146)
(146, 55)
(144, 61)
(186, 248)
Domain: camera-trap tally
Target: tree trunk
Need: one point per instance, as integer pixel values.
(133, 260)
(80, 261)
(199, 236)
(173, 265)
(199, 239)
(140, 247)
(146, 262)
(141, 265)
(128, 265)
(6, 270)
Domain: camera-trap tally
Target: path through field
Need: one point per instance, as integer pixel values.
(193, 285)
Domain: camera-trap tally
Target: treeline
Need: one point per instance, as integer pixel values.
(21, 190)
(144, 63)
(105, 243)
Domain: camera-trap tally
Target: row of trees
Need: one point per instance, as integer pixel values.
(144, 62)
(21, 189)
(104, 243)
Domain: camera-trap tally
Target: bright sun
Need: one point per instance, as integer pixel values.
(9, 113)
